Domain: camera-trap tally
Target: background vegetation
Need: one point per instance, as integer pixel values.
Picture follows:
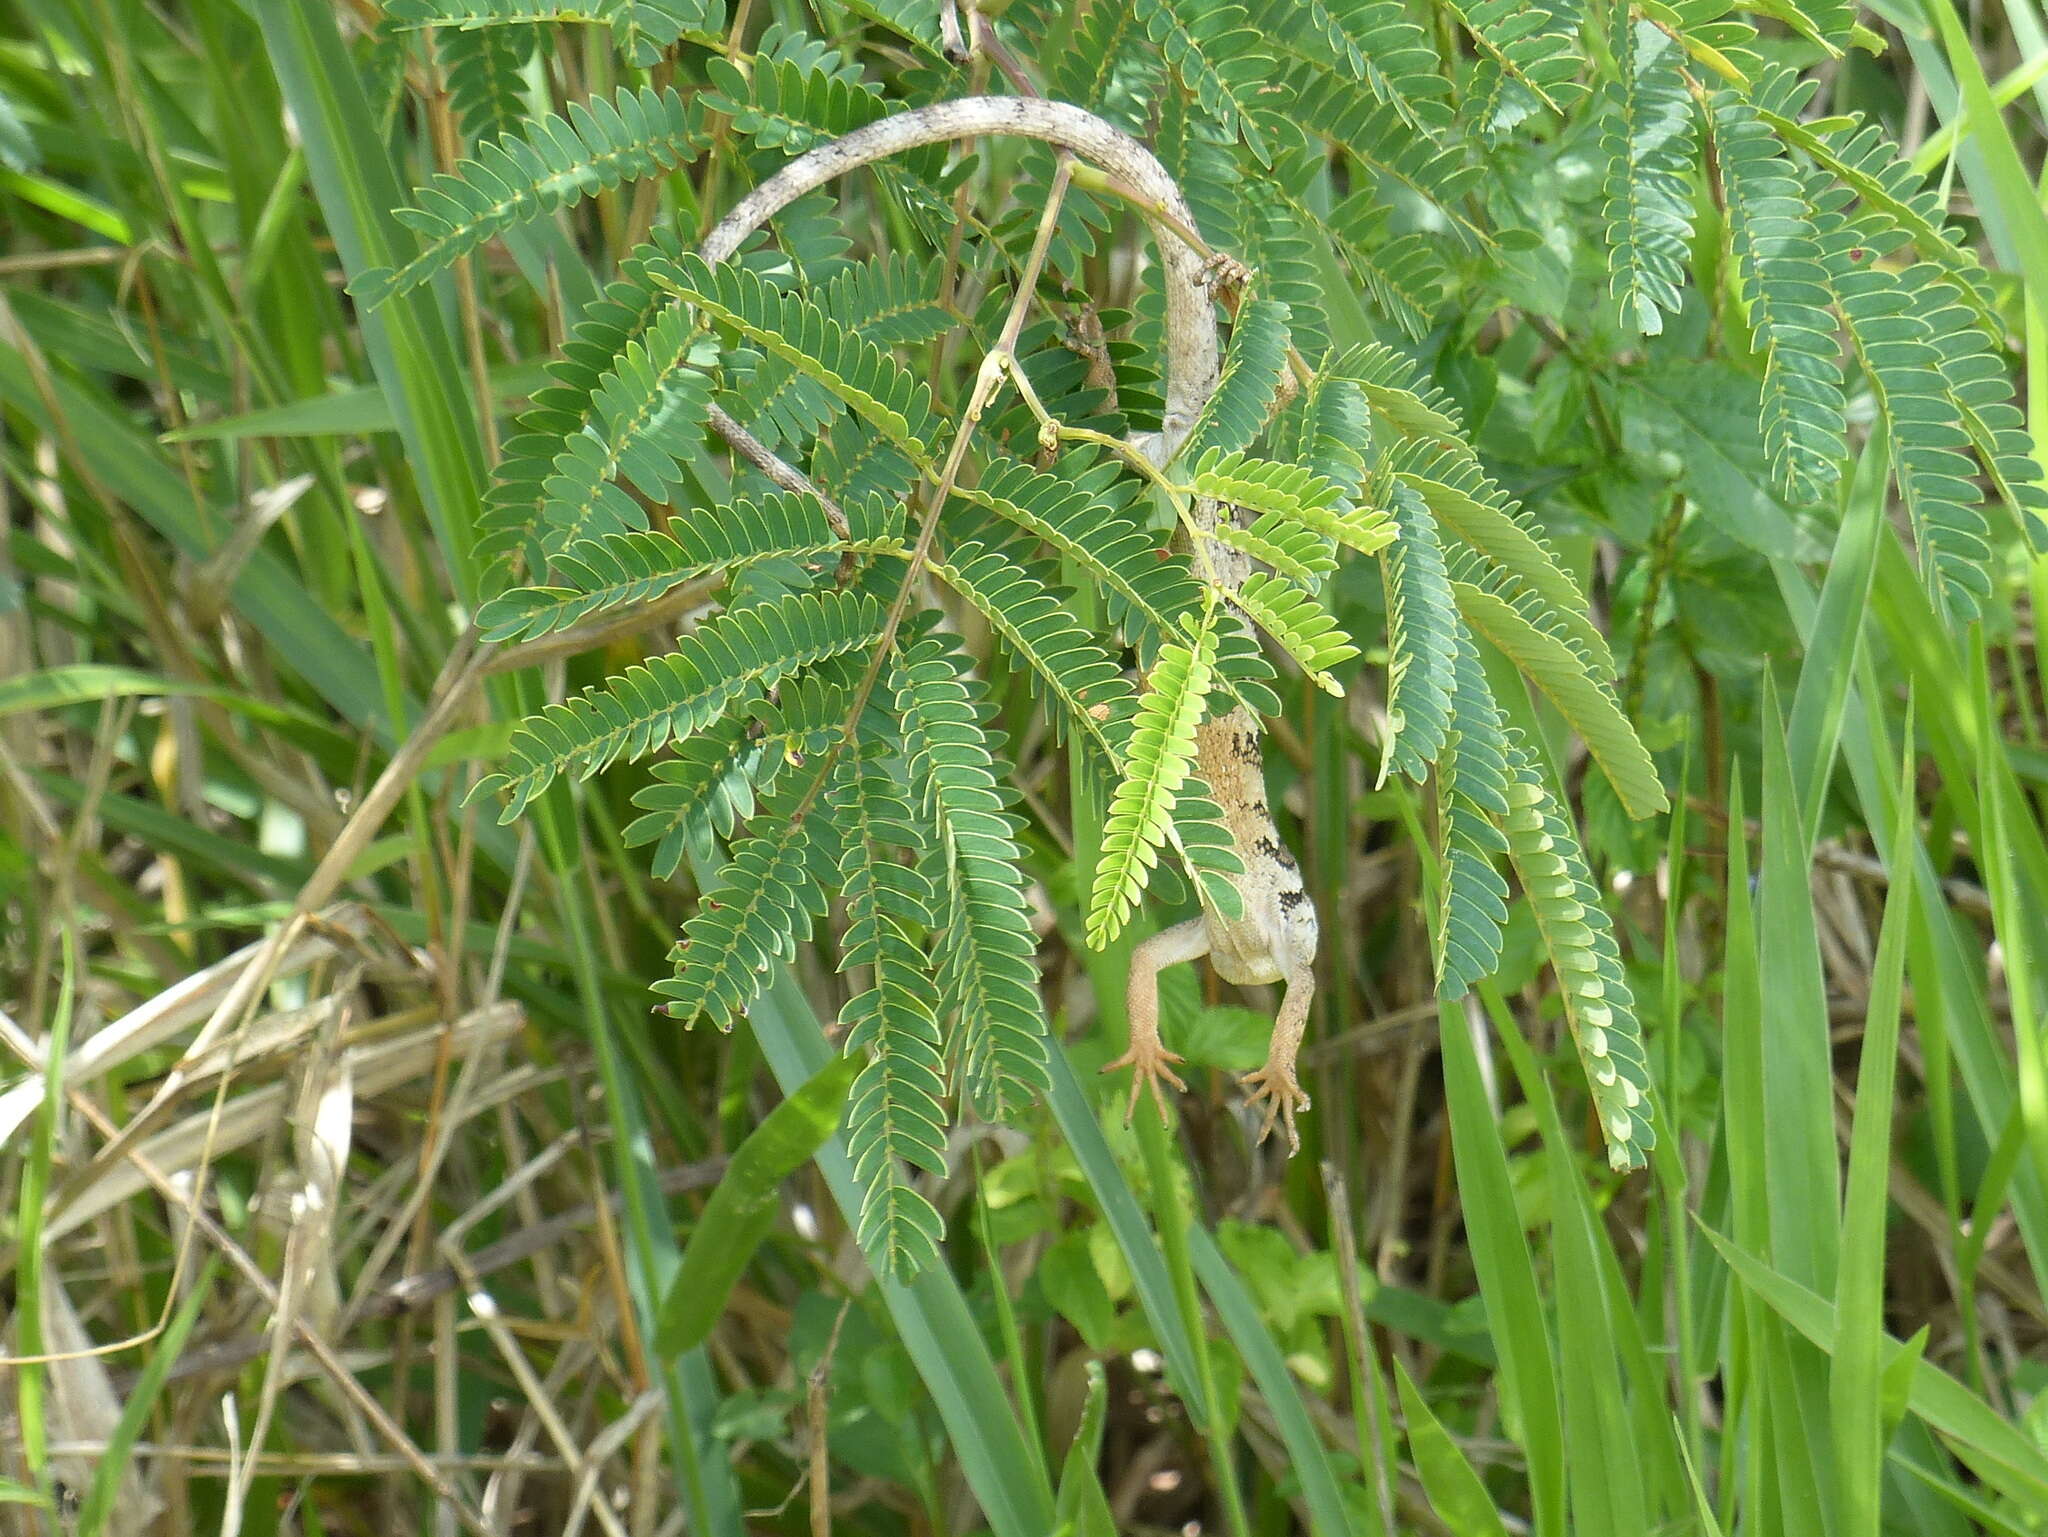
(356, 1201)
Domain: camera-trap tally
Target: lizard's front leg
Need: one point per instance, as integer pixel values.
(1275, 1083)
(1148, 1056)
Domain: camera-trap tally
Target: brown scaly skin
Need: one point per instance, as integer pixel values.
(1274, 940)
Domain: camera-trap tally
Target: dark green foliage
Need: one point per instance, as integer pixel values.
(899, 1114)
(1649, 202)
(1422, 645)
(792, 329)
(1471, 797)
(556, 162)
(675, 696)
(986, 974)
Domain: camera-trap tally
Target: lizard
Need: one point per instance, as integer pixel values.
(1275, 936)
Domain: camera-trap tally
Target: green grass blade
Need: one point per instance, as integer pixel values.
(1853, 1385)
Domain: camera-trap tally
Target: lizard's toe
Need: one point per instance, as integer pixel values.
(1148, 1067)
(1278, 1097)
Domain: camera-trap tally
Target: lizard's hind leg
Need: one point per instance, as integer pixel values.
(1275, 1085)
(1148, 1057)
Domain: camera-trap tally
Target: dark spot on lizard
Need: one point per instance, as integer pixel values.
(1293, 899)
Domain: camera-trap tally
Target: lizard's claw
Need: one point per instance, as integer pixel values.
(1148, 1064)
(1275, 1091)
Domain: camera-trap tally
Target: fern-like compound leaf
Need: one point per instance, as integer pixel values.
(1206, 847)
(1868, 162)
(789, 105)
(1302, 627)
(1778, 263)
(786, 325)
(1892, 337)
(481, 68)
(675, 696)
(1297, 553)
(1422, 640)
(1471, 790)
(897, 1115)
(1330, 105)
(1398, 394)
(1529, 57)
(642, 28)
(1980, 385)
(1142, 581)
(1528, 633)
(1159, 755)
(1579, 937)
(557, 161)
(755, 914)
(1649, 200)
(615, 570)
(986, 948)
(887, 301)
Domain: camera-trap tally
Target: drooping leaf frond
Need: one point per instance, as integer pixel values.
(481, 67)
(1894, 341)
(674, 696)
(1422, 640)
(1274, 237)
(1404, 273)
(1865, 160)
(1297, 553)
(1580, 940)
(1778, 263)
(788, 326)
(1203, 839)
(1528, 633)
(897, 1113)
(1158, 757)
(985, 944)
(1330, 431)
(1471, 797)
(1649, 153)
(1529, 59)
(1981, 387)
(557, 161)
(1302, 627)
(1398, 394)
(755, 914)
(1113, 550)
(618, 569)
